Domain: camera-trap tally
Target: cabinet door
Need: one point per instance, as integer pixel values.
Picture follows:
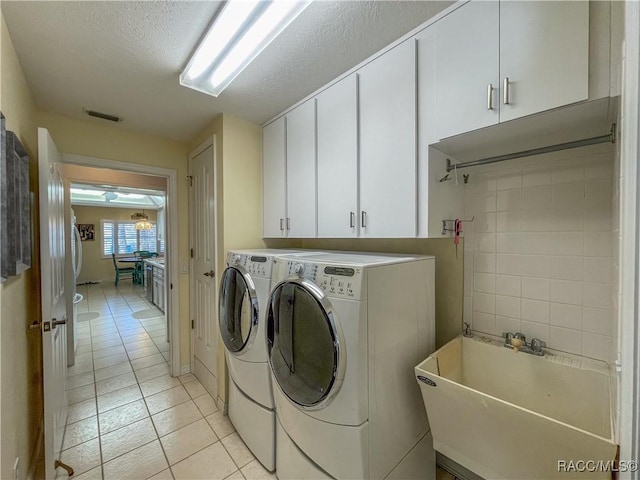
(301, 171)
(387, 103)
(544, 54)
(338, 160)
(467, 67)
(273, 173)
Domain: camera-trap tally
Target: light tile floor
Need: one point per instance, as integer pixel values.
(128, 419)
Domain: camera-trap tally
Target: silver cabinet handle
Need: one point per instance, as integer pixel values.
(363, 219)
(490, 97)
(282, 224)
(288, 223)
(505, 91)
(352, 219)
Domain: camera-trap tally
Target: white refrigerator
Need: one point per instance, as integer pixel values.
(74, 298)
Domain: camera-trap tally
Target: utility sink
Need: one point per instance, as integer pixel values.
(508, 415)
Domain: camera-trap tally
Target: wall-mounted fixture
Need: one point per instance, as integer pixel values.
(142, 221)
(240, 31)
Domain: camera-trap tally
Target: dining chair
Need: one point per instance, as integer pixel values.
(122, 270)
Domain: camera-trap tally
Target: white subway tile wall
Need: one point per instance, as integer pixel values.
(540, 253)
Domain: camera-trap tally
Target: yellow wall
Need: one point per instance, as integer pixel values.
(94, 266)
(20, 350)
(95, 139)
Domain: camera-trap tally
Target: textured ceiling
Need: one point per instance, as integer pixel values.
(124, 58)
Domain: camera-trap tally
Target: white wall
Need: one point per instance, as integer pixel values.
(539, 255)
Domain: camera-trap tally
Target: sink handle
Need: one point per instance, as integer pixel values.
(507, 339)
(537, 345)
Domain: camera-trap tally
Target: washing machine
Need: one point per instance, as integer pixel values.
(344, 331)
(244, 294)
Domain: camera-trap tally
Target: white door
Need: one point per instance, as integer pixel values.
(301, 171)
(337, 111)
(544, 56)
(54, 310)
(204, 292)
(273, 174)
(387, 97)
(467, 68)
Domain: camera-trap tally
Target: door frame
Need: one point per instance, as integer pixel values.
(209, 142)
(629, 255)
(172, 309)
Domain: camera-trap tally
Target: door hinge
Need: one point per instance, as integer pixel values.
(171, 286)
(190, 178)
(192, 324)
(192, 253)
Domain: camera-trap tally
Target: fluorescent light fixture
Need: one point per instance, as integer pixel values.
(239, 33)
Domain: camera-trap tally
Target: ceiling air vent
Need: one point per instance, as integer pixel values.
(103, 116)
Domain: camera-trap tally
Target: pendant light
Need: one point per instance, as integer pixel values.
(142, 221)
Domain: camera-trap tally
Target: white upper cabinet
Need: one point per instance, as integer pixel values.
(498, 61)
(387, 108)
(301, 170)
(273, 173)
(467, 74)
(544, 56)
(337, 117)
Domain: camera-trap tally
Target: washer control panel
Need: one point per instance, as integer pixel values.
(255, 265)
(333, 280)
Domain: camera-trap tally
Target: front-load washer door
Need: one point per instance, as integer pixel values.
(305, 343)
(238, 310)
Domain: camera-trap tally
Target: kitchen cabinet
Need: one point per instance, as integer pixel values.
(387, 130)
(274, 193)
(301, 171)
(498, 61)
(158, 287)
(337, 118)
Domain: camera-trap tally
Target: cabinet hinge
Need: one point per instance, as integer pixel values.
(192, 253)
(192, 324)
(190, 179)
(171, 286)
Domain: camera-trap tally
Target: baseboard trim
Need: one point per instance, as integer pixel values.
(185, 369)
(36, 452)
(222, 406)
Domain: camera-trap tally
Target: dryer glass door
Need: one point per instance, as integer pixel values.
(238, 310)
(303, 344)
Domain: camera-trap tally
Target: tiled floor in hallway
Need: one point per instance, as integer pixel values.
(128, 418)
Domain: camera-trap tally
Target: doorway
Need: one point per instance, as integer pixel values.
(123, 187)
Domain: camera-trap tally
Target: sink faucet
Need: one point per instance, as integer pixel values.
(518, 342)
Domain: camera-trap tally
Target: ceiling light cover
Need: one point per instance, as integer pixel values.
(239, 33)
(142, 221)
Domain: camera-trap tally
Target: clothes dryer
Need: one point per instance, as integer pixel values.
(243, 299)
(344, 331)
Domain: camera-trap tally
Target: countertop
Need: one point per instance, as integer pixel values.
(156, 262)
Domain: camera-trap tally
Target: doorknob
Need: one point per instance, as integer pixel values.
(55, 323)
(210, 273)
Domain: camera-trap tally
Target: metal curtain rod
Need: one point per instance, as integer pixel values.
(611, 137)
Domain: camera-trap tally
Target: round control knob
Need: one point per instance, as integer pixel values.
(235, 259)
(298, 269)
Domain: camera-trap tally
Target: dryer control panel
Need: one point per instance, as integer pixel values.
(255, 265)
(334, 280)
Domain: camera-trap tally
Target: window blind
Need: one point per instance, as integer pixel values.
(122, 238)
